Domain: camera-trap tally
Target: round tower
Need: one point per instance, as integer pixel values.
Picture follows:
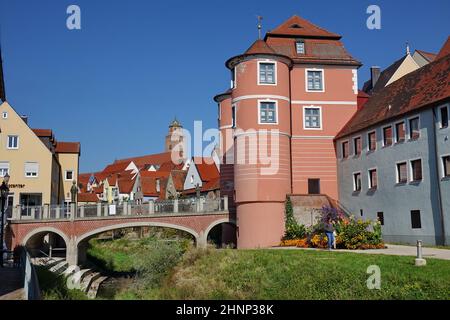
(175, 139)
(260, 114)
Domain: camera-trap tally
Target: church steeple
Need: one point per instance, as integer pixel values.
(175, 138)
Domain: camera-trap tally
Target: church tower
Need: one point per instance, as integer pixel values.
(175, 139)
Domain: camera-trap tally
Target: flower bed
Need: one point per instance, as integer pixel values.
(351, 233)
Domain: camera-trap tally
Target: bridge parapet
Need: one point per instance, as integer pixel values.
(151, 208)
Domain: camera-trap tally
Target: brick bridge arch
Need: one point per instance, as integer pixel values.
(75, 233)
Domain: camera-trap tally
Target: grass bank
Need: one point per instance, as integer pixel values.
(274, 274)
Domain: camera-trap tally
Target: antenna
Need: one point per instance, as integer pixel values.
(260, 18)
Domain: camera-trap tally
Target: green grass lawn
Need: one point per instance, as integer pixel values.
(272, 274)
(297, 274)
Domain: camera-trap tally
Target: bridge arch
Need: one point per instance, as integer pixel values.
(81, 241)
(35, 239)
(225, 221)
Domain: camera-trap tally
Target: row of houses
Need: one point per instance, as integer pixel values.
(153, 177)
(41, 168)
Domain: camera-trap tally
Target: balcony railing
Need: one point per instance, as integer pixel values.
(159, 207)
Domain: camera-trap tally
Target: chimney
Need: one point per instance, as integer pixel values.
(24, 118)
(374, 75)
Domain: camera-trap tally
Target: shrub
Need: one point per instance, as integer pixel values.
(294, 230)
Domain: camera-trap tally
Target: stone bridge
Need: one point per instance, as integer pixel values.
(76, 225)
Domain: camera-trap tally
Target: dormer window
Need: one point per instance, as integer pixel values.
(300, 46)
(295, 26)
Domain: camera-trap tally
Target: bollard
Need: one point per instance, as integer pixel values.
(420, 261)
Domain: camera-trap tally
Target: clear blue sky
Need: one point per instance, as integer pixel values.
(116, 84)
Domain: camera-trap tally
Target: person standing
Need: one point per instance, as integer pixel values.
(329, 232)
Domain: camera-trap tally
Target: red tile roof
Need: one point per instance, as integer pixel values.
(140, 162)
(83, 179)
(445, 50)
(212, 185)
(296, 26)
(68, 147)
(87, 197)
(260, 47)
(148, 185)
(126, 185)
(169, 166)
(44, 133)
(178, 178)
(422, 88)
(116, 167)
(206, 168)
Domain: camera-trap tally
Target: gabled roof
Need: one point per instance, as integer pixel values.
(68, 147)
(178, 178)
(148, 185)
(422, 88)
(296, 26)
(384, 78)
(427, 55)
(206, 168)
(126, 185)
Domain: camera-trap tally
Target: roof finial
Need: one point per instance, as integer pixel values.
(259, 26)
(408, 52)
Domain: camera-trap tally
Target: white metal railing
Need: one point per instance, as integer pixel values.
(159, 207)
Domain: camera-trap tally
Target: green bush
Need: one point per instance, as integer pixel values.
(293, 230)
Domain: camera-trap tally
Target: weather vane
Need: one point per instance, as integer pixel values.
(259, 26)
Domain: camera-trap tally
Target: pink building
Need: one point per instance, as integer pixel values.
(291, 92)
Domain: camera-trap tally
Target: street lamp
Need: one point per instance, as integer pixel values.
(4, 190)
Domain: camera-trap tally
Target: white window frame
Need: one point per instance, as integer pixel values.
(410, 169)
(368, 141)
(5, 115)
(5, 165)
(395, 131)
(354, 145)
(65, 175)
(370, 179)
(440, 116)
(275, 72)
(354, 180)
(25, 171)
(342, 149)
(304, 46)
(397, 175)
(443, 165)
(18, 142)
(306, 79)
(320, 118)
(259, 112)
(392, 137)
(409, 127)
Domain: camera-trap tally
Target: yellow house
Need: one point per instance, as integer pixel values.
(35, 161)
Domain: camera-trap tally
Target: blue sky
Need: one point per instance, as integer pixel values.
(117, 83)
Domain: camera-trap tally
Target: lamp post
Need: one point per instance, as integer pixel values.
(4, 190)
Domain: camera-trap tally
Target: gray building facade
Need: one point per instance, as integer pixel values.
(405, 181)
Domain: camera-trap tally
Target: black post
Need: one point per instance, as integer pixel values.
(4, 194)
